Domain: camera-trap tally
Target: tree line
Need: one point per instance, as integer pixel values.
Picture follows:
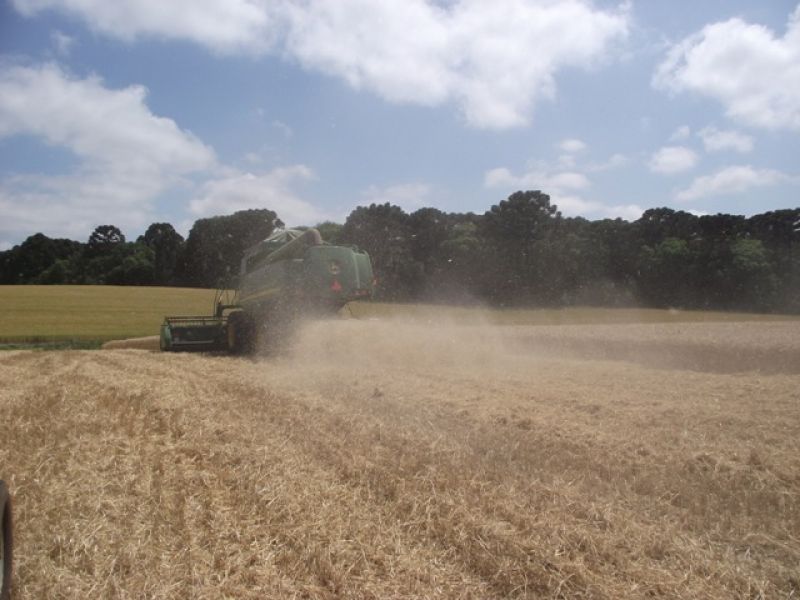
(521, 252)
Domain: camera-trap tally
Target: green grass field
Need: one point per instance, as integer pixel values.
(85, 316)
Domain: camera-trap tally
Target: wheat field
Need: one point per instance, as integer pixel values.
(396, 459)
(92, 313)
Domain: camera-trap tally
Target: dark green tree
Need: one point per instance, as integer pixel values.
(383, 230)
(463, 262)
(520, 233)
(103, 239)
(331, 232)
(25, 262)
(665, 272)
(215, 246)
(134, 265)
(60, 272)
(617, 246)
(752, 281)
(779, 231)
(657, 224)
(167, 246)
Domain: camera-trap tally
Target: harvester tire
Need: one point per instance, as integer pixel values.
(239, 333)
(7, 549)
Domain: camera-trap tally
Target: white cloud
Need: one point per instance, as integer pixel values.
(681, 133)
(572, 146)
(221, 25)
(732, 180)
(73, 205)
(673, 159)
(715, 140)
(538, 180)
(502, 177)
(273, 190)
(749, 69)
(494, 60)
(110, 127)
(62, 42)
(408, 196)
(128, 155)
(574, 206)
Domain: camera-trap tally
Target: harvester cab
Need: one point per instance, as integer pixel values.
(291, 273)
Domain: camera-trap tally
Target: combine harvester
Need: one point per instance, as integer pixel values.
(292, 274)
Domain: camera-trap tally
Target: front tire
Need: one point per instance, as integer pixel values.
(7, 548)
(239, 333)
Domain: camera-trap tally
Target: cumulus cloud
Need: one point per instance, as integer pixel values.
(731, 180)
(540, 180)
(408, 196)
(73, 205)
(572, 146)
(275, 190)
(673, 159)
(494, 60)
(110, 127)
(715, 140)
(576, 206)
(753, 72)
(222, 25)
(127, 155)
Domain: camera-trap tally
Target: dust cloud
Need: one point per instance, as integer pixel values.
(400, 344)
(444, 342)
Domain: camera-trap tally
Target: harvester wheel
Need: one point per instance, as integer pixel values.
(7, 547)
(239, 333)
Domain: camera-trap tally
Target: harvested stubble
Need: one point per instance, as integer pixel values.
(389, 460)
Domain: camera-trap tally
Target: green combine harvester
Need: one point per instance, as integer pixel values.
(292, 274)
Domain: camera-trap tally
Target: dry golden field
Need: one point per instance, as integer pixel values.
(388, 459)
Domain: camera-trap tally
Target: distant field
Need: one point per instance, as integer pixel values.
(93, 314)
(42, 313)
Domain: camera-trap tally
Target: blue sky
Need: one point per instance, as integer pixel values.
(132, 112)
